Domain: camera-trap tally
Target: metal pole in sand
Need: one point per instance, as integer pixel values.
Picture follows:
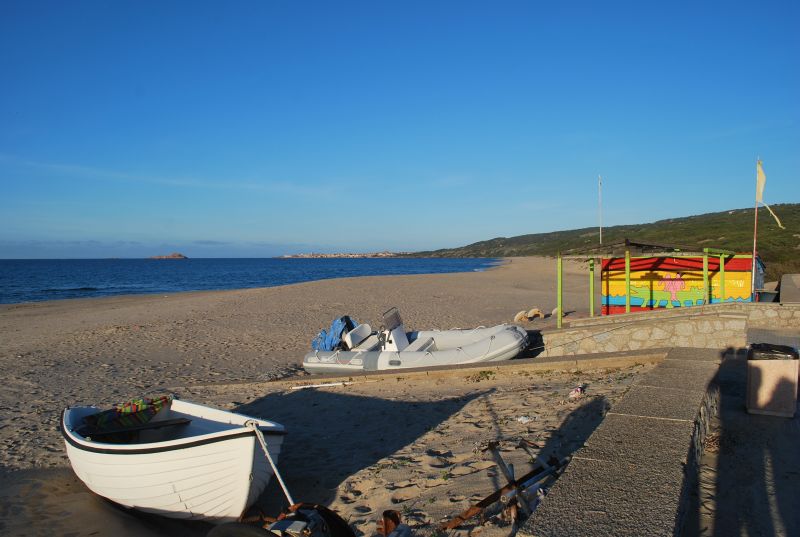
(591, 287)
(600, 206)
(559, 288)
(755, 234)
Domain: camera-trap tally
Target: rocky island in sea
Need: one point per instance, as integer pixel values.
(173, 255)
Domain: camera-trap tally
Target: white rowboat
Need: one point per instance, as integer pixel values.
(190, 462)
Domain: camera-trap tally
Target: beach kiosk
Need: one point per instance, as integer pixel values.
(677, 280)
(639, 276)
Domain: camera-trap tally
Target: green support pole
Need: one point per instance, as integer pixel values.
(591, 287)
(706, 289)
(627, 281)
(722, 278)
(559, 305)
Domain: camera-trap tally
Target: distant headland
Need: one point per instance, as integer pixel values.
(173, 255)
(344, 255)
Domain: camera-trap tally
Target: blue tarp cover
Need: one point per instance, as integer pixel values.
(331, 339)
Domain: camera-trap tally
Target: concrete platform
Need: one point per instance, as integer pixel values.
(790, 288)
(778, 337)
(694, 354)
(748, 482)
(640, 473)
(599, 499)
(630, 478)
(638, 441)
(687, 378)
(665, 403)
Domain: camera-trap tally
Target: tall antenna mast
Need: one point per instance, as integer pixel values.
(600, 206)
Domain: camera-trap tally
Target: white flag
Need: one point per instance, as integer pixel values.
(761, 181)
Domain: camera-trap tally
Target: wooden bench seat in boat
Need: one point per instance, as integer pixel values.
(88, 431)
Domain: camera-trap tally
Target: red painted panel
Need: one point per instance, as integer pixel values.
(740, 264)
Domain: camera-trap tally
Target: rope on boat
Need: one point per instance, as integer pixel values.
(491, 339)
(253, 425)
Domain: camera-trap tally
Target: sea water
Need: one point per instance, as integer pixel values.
(30, 280)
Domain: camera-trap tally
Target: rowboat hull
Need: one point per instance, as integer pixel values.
(213, 469)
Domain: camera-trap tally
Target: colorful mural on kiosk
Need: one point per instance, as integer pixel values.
(675, 282)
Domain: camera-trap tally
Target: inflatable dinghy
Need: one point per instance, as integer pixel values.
(362, 349)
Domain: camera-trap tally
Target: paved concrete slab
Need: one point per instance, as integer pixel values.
(790, 288)
(696, 380)
(604, 500)
(731, 371)
(639, 441)
(778, 337)
(696, 354)
(669, 403)
(690, 365)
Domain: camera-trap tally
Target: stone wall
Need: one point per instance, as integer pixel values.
(765, 314)
(718, 331)
(774, 316)
(716, 326)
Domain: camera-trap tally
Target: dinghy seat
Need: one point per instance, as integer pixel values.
(356, 336)
(369, 344)
(421, 344)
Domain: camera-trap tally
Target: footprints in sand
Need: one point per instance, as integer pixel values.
(444, 471)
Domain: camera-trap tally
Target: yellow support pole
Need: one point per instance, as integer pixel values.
(591, 287)
(722, 278)
(627, 281)
(559, 288)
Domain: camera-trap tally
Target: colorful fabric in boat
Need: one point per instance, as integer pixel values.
(128, 414)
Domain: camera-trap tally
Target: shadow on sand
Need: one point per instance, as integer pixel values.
(334, 435)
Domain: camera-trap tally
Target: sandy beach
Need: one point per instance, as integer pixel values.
(396, 443)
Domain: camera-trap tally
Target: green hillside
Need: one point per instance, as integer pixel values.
(732, 230)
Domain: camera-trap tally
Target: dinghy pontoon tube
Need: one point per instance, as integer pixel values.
(394, 348)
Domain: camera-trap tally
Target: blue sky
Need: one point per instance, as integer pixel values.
(261, 128)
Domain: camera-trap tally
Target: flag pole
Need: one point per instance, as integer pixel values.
(755, 235)
(600, 206)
